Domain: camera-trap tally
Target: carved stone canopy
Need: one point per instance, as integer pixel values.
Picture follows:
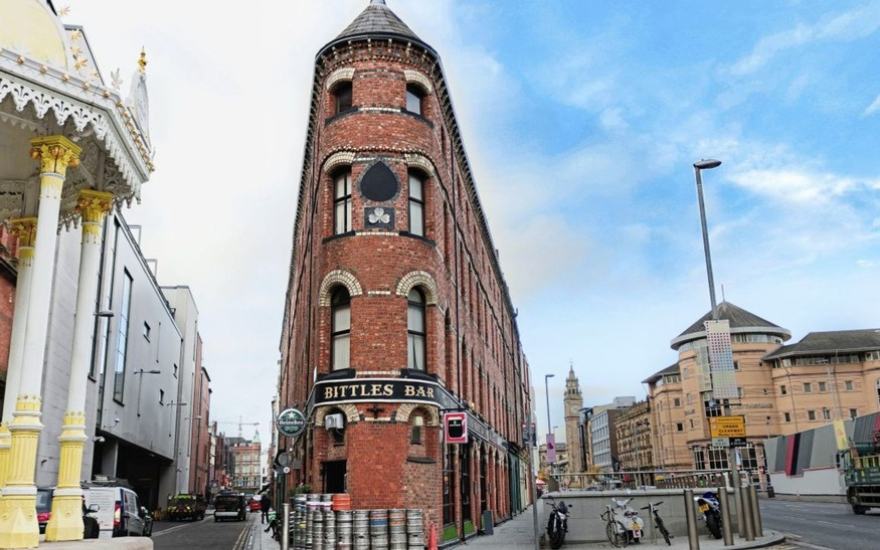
(40, 97)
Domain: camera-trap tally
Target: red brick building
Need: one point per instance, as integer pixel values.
(397, 311)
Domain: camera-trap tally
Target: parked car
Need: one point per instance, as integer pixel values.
(254, 504)
(120, 511)
(230, 506)
(44, 513)
(91, 529)
(44, 507)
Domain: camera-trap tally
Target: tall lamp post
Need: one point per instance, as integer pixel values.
(698, 167)
(547, 377)
(708, 164)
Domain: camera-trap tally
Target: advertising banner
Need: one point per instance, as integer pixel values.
(551, 449)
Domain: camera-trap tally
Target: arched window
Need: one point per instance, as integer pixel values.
(416, 423)
(416, 330)
(343, 96)
(416, 205)
(414, 97)
(342, 202)
(340, 329)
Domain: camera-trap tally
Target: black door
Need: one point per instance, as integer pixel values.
(334, 477)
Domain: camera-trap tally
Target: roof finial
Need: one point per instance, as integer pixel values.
(142, 62)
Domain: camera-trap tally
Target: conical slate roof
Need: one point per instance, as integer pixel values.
(740, 321)
(377, 21)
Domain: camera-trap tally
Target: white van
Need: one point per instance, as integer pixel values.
(120, 513)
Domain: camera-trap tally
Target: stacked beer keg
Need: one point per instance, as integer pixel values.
(327, 522)
(415, 529)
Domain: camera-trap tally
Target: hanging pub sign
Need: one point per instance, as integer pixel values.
(291, 422)
(455, 427)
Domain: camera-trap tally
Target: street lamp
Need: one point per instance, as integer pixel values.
(698, 167)
(708, 164)
(547, 397)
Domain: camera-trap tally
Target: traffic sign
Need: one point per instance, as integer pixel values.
(727, 426)
(719, 442)
(737, 442)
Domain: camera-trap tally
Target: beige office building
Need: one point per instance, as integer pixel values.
(783, 389)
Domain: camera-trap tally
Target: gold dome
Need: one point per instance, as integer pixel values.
(29, 28)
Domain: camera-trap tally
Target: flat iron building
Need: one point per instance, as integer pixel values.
(397, 313)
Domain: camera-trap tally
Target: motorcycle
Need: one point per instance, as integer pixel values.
(628, 520)
(557, 524)
(709, 507)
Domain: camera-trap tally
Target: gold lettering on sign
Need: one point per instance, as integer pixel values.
(367, 390)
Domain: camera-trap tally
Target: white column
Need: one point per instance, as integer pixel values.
(25, 229)
(18, 520)
(66, 522)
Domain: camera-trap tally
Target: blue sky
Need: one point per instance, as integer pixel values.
(581, 121)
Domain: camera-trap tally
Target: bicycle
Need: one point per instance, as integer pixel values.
(615, 532)
(658, 521)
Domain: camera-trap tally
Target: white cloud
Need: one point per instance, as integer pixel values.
(851, 25)
(794, 186)
(873, 107)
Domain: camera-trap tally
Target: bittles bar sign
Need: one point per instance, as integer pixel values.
(455, 427)
(377, 389)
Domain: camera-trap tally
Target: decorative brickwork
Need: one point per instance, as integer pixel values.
(338, 277)
(415, 160)
(336, 160)
(350, 412)
(415, 77)
(339, 75)
(418, 279)
(405, 410)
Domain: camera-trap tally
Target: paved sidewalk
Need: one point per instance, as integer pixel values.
(519, 534)
(258, 539)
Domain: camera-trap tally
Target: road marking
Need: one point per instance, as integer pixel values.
(792, 536)
(243, 536)
(172, 529)
(813, 546)
(838, 524)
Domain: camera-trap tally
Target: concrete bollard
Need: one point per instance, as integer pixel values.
(756, 512)
(748, 519)
(726, 525)
(285, 526)
(691, 518)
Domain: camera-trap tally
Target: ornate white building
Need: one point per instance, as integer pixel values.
(72, 148)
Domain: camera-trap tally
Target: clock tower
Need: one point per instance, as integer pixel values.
(574, 402)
